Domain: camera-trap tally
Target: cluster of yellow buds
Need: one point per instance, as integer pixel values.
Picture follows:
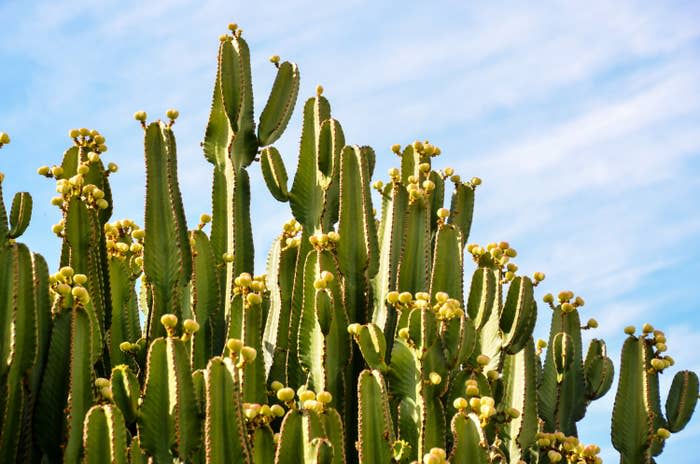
(321, 241)
(444, 307)
(324, 279)
(70, 287)
(235, 30)
(307, 399)
(484, 407)
(657, 338)
(501, 254)
(252, 289)
(435, 456)
(567, 301)
(75, 187)
(240, 353)
(419, 189)
(88, 139)
(124, 240)
(261, 414)
(4, 139)
(560, 448)
(291, 231)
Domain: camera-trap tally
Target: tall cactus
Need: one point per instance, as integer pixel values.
(363, 342)
(639, 427)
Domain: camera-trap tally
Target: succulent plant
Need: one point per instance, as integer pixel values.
(358, 344)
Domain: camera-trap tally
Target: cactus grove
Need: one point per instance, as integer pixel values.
(368, 338)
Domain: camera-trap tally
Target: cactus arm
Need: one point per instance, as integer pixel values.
(4, 226)
(681, 400)
(437, 198)
(263, 445)
(519, 315)
(280, 274)
(104, 436)
(468, 441)
(331, 141)
(333, 426)
(482, 295)
(563, 403)
(520, 393)
(125, 392)
(254, 372)
(306, 198)
(293, 371)
(168, 414)
(243, 257)
(372, 343)
(136, 453)
(317, 448)
(80, 397)
(230, 82)
(391, 230)
(23, 349)
(323, 336)
(167, 256)
(20, 214)
(43, 319)
(82, 232)
(375, 428)
(125, 318)
(598, 369)
(280, 104)
(358, 237)
(447, 257)
(415, 255)
(410, 160)
(290, 447)
(224, 429)
(274, 173)
(245, 144)
(462, 209)
(206, 296)
(49, 416)
(632, 427)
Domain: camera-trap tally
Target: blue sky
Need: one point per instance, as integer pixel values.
(582, 122)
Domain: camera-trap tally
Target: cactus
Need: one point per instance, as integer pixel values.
(359, 344)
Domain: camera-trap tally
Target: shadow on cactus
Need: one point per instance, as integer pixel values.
(357, 344)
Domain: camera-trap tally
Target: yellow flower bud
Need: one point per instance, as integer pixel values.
(475, 181)
(140, 116)
(325, 397)
(275, 59)
(435, 378)
(249, 353)
(482, 360)
(396, 148)
(405, 297)
(276, 385)
(169, 321)
(172, 114)
(460, 403)
(190, 325)
(234, 345)
(629, 330)
(285, 394)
